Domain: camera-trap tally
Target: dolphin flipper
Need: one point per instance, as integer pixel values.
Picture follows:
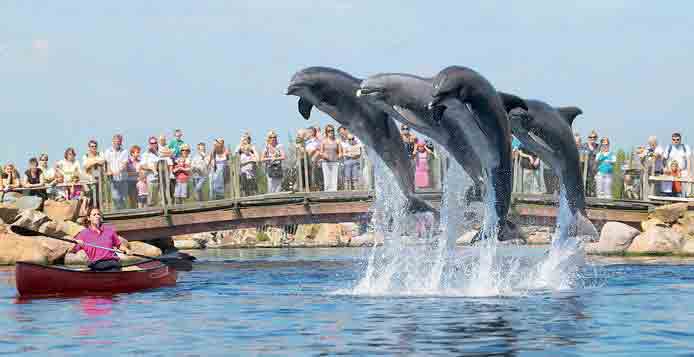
(305, 108)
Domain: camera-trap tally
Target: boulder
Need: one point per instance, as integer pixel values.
(615, 238)
(8, 212)
(61, 211)
(331, 235)
(31, 219)
(69, 228)
(652, 222)
(687, 223)
(539, 238)
(40, 250)
(29, 203)
(79, 258)
(657, 240)
(466, 238)
(669, 213)
(235, 238)
(687, 247)
(366, 240)
(187, 244)
(144, 249)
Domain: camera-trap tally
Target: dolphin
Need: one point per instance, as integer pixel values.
(405, 97)
(333, 92)
(487, 126)
(546, 130)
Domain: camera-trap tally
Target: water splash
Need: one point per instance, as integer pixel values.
(432, 265)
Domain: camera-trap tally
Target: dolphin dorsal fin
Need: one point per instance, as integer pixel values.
(512, 101)
(569, 113)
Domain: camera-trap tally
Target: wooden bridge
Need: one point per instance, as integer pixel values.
(326, 207)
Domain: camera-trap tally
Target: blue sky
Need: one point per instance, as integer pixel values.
(75, 70)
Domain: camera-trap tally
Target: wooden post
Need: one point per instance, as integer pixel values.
(305, 172)
(584, 159)
(235, 176)
(101, 194)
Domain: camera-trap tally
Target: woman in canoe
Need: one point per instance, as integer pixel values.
(102, 235)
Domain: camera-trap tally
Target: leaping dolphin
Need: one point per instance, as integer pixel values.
(405, 97)
(490, 127)
(333, 92)
(547, 131)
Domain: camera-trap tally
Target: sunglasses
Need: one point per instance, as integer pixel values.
(92, 146)
(592, 137)
(153, 143)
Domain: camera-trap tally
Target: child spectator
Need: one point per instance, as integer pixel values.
(142, 190)
(673, 188)
(421, 155)
(181, 171)
(74, 191)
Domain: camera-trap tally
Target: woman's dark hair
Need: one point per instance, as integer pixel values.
(89, 214)
(34, 161)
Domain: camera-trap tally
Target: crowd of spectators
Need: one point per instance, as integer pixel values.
(328, 160)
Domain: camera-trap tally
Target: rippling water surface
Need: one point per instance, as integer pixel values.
(297, 302)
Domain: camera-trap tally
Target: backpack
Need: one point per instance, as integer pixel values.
(274, 168)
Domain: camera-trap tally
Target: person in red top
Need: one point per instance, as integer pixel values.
(97, 233)
(182, 173)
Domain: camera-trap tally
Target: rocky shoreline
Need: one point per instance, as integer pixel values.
(668, 231)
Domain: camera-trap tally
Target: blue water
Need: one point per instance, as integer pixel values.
(283, 302)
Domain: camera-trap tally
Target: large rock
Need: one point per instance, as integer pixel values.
(657, 240)
(235, 238)
(686, 222)
(366, 240)
(539, 238)
(187, 244)
(466, 238)
(687, 247)
(62, 228)
(8, 212)
(615, 238)
(40, 250)
(321, 235)
(144, 249)
(29, 203)
(61, 211)
(31, 220)
(669, 213)
(652, 222)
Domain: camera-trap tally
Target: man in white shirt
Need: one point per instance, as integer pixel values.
(150, 160)
(200, 165)
(116, 161)
(680, 153)
(352, 163)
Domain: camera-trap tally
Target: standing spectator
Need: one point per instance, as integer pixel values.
(219, 170)
(530, 163)
(331, 153)
(181, 171)
(167, 154)
(651, 158)
(408, 138)
(48, 172)
(352, 156)
(312, 146)
(33, 178)
(132, 170)
(69, 166)
(246, 139)
(93, 162)
(116, 161)
(680, 152)
(273, 156)
(582, 154)
(302, 157)
(142, 190)
(176, 142)
(604, 160)
(248, 161)
(200, 170)
(343, 140)
(10, 181)
(592, 149)
(421, 155)
(150, 166)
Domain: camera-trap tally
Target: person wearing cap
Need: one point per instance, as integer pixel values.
(181, 172)
(175, 143)
(682, 154)
(352, 153)
(150, 162)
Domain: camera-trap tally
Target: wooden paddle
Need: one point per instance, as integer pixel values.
(175, 260)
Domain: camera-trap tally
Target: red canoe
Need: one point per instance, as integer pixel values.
(41, 280)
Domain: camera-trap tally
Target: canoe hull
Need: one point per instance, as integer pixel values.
(41, 280)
